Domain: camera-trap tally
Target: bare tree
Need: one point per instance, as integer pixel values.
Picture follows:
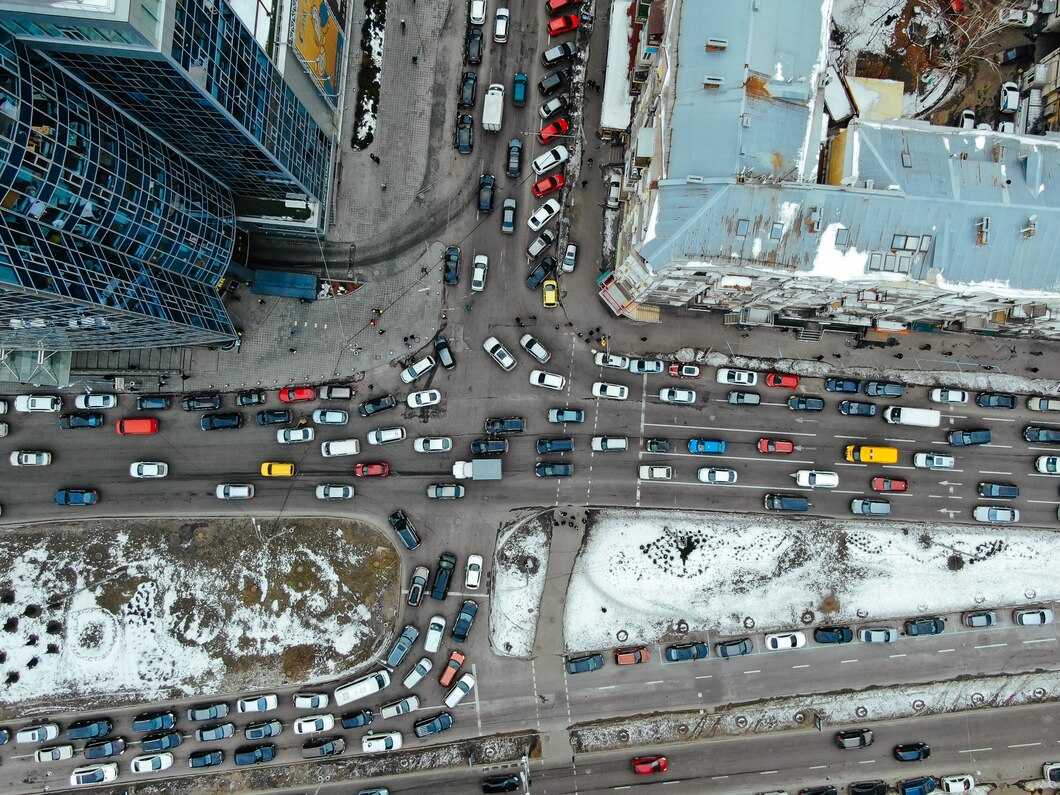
(972, 39)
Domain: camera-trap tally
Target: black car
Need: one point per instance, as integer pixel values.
(464, 621)
(842, 385)
(559, 53)
(586, 664)
(551, 469)
(375, 405)
(163, 741)
(515, 158)
(497, 425)
(995, 400)
(917, 627)
(464, 137)
(999, 491)
(684, 652)
(355, 720)
(468, 87)
(912, 752)
(965, 438)
(856, 408)
(201, 402)
(1015, 54)
(405, 530)
(443, 576)
(451, 258)
(89, 729)
(154, 721)
(486, 184)
(658, 445)
(255, 754)
(152, 403)
(554, 81)
(734, 648)
(273, 417)
(221, 422)
(884, 389)
(805, 404)
(82, 419)
(104, 749)
(489, 446)
(428, 726)
(561, 444)
(473, 48)
(206, 759)
(868, 788)
(252, 397)
(833, 635)
(324, 746)
(786, 502)
(495, 784)
(825, 790)
(544, 270)
(1034, 434)
(444, 353)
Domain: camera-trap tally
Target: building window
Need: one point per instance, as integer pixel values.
(842, 237)
(777, 231)
(743, 226)
(925, 242)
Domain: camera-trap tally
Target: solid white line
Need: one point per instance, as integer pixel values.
(991, 646)
(478, 708)
(1024, 745)
(996, 419)
(975, 750)
(1003, 446)
(730, 430)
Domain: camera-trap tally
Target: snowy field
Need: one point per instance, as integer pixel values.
(643, 575)
(126, 611)
(519, 568)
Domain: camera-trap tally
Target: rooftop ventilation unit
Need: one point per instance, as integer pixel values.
(711, 81)
(713, 45)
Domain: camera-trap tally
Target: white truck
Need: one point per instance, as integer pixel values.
(478, 469)
(904, 415)
(493, 108)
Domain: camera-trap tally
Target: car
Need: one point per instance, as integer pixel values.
(464, 621)
(1017, 17)
(406, 531)
(541, 242)
(355, 720)
(786, 502)
(498, 425)
(801, 403)
(104, 749)
(250, 397)
(543, 214)
(445, 491)
(631, 656)
(1034, 617)
(94, 774)
(853, 738)
(255, 754)
(775, 446)
(268, 417)
(477, 12)
(561, 25)
(295, 435)
(782, 381)
(160, 741)
(547, 380)
(473, 47)
(917, 627)
(554, 81)
(553, 106)
(734, 648)
(531, 345)
(208, 711)
(878, 635)
(153, 721)
(219, 731)
(82, 419)
(864, 507)
(1047, 464)
(1041, 435)
(467, 91)
(489, 446)
(478, 273)
(552, 130)
(89, 729)
(1051, 772)
(486, 185)
(555, 6)
(39, 733)
(550, 469)
(559, 53)
(603, 389)
(520, 82)
(234, 491)
(323, 746)
(842, 385)
(884, 389)
(376, 405)
(948, 396)
(585, 664)
(647, 765)
(311, 724)
(152, 403)
(443, 577)
(999, 491)
(277, 469)
(883, 484)
(1043, 404)
(970, 437)
(416, 585)
(868, 788)
(541, 272)
(958, 783)
(296, 394)
(816, 479)
(933, 461)
(30, 458)
(550, 294)
(96, 400)
(76, 497)
(432, 444)
(727, 375)
(334, 491)
(506, 783)
(514, 167)
(912, 752)
(148, 763)
(204, 402)
(452, 665)
(417, 369)
(995, 400)
(34, 403)
(560, 416)
(206, 759)
(464, 134)
(499, 354)
(857, 408)
(737, 398)
(979, 619)
(706, 446)
(331, 417)
(716, 476)
(548, 185)
(227, 421)
(607, 444)
(570, 258)
(685, 652)
(418, 672)
(262, 730)
(684, 370)
(782, 641)
(424, 398)
(460, 688)
(684, 397)
(451, 265)
(428, 726)
(311, 700)
(1013, 55)
(833, 635)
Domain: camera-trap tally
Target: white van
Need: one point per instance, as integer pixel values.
(360, 688)
(340, 447)
(904, 415)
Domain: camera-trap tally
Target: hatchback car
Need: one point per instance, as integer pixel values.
(684, 397)
(553, 106)
(833, 635)
(1009, 98)
(648, 765)
(547, 380)
(801, 403)
(548, 469)
(842, 385)
(948, 396)
(478, 273)
(554, 81)
(774, 446)
(277, 469)
(782, 381)
(543, 214)
(417, 369)
(499, 354)
(716, 476)
(1047, 464)
(432, 444)
(376, 405)
(783, 641)
(602, 389)
(452, 665)
(219, 731)
(297, 394)
(550, 294)
(856, 408)
(206, 759)
(263, 730)
(727, 375)
(311, 700)
(468, 87)
(531, 345)
(153, 721)
(853, 738)
(570, 258)
(547, 185)
(550, 131)
(82, 419)
(561, 25)
(96, 400)
(477, 12)
(878, 635)
(734, 648)
(560, 416)
(311, 724)
(89, 729)
(331, 417)
(355, 720)
(464, 621)
(685, 652)
(958, 783)
(992, 514)
(255, 754)
(104, 749)
(917, 627)
(912, 752)
(559, 53)
(995, 400)
(1034, 617)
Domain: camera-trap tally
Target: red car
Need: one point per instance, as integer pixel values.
(379, 470)
(452, 665)
(783, 381)
(631, 656)
(298, 394)
(545, 186)
(646, 765)
(555, 6)
(767, 445)
(684, 371)
(550, 131)
(563, 24)
(890, 484)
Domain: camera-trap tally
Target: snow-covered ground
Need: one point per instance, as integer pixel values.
(519, 568)
(643, 575)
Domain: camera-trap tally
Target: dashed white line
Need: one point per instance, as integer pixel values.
(705, 676)
(992, 472)
(1041, 640)
(991, 646)
(717, 778)
(606, 687)
(755, 671)
(766, 772)
(804, 665)
(817, 767)
(654, 682)
(867, 762)
(945, 651)
(1024, 745)
(844, 662)
(1043, 502)
(898, 655)
(975, 750)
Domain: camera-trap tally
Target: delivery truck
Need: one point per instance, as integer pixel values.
(493, 108)
(478, 469)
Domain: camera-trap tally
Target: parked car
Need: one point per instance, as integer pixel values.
(464, 621)
(916, 627)
(734, 648)
(884, 389)
(996, 400)
(833, 635)
(585, 664)
(853, 738)
(375, 405)
(877, 635)
(842, 385)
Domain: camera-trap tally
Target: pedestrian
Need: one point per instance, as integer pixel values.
(382, 332)
(383, 185)
(590, 162)
(1032, 369)
(643, 339)
(406, 340)
(291, 350)
(374, 320)
(1036, 353)
(261, 301)
(585, 182)
(371, 387)
(598, 90)
(533, 317)
(899, 356)
(402, 26)
(518, 321)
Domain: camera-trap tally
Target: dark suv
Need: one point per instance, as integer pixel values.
(833, 635)
(473, 47)
(466, 95)
(554, 81)
(495, 784)
(464, 137)
(496, 425)
(273, 417)
(104, 749)
(255, 754)
(221, 422)
(89, 729)
(999, 491)
(884, 389)
(515, 158)
(489, 446)
(375, 405)
(201, 402)
(1033, 434)
(405, 530)
(206, 759)
(486, 184)
(452, 265)
(965, 438)
(443, 576)
(786, 502)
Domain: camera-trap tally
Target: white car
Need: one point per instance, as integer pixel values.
(41, 733)
(54, 753)
(1036, 617)
(97, 400)
(426, 397)
(334, 491)
(1009, 100)
(478, 273)
(878, 635)
(380, 742)
(460, 688)
(473, 572)
(570, 258)
(94, 774)
(386, 435)
(311, 700)
(500, 354)
(550, 159)
(715, 475)
(149, 469)
(260, 703)
(614, 192)
(547, 380)
(535, 348)
(604, 359)
(445, 491)
(331, 417)
(649, 472)
(609, 444)
(1047, 464)
(780, 641)
(649, 366)
(543, 214)
(417, 369)
(602, 389)
(684, 397)
(727, 375)
(1016, 16)
(500, 26)
(433, 444)
(403, 706)
(816, 479)
(993, 514)
(959, 783)
(295, 435)
(419, 670)
(311, 724)
(476, 12)
(38, 403)
(432, 638)
(949, 396)
(30, 458)
(148, 763)
(933, 461)
(234, 491)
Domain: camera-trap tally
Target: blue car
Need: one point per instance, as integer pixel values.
(687, 651)
(403, 646)
(206, 759)
(222, 422)
(464, 621)
(76, 497)
(842, 385)
(581, 665)
(428, 726)
(89, 729)
(163, 741)
(833, 634)
(255, 754)
(559, 416)
(917, 786)
(805, 404)
(88, 419)
(355, 720)
(154, 721)
(912, 752)
(702, 446)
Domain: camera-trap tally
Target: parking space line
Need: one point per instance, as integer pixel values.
(1043, 502)
(1004, 446)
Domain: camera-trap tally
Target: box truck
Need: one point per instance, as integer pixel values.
(493, 108)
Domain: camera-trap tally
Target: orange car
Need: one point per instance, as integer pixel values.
(452, 665)
(631, 656)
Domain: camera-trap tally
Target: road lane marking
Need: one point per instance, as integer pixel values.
(867, 762)
(900, 441)
(856, 438)
(654, 682)
(804, 665)
(1041, 502)
(996, 419)
(1041, 640)
(717, 778)
(844, 662)
(992, 472)
(730, 430)
(766, 772)
(705, 676)
(991, 646)
(817, 767)
(898, 655)
(606, 687)
(975, 750)
(945, 651)
(755, 671)
(1024, 745)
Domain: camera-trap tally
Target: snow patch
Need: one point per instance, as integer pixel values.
(519, 567)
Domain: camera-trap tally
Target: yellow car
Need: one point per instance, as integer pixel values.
(550, 293)
(277, 469)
